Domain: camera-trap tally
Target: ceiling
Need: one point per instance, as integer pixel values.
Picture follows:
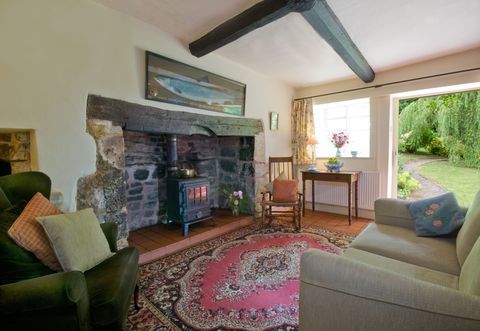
(389, 33)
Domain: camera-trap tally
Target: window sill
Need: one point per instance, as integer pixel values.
(346, 157)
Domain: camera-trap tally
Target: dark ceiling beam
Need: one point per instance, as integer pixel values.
(253, 18)
(325, 22)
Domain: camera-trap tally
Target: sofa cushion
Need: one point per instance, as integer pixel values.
(402, 244)
(77, 239)
(110, 286)
(470, 275)
(403, 268)
(27, 233)
(470, 231)
(16, 263)
(436, 216)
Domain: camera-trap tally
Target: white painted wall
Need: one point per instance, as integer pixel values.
(54, 53)
(382, 105)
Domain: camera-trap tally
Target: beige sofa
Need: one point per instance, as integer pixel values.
(389, 279)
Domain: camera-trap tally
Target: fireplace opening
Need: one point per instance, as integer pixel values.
(128, 186)
(5, 168)
(155, 193)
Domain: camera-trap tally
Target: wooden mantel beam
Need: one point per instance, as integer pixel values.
(253, 18)
(325, 22)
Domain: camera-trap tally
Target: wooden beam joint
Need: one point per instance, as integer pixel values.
(252, 18)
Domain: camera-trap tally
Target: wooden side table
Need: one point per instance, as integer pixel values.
(349, 177)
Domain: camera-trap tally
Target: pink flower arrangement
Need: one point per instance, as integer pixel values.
(234, 199)
(339, 139)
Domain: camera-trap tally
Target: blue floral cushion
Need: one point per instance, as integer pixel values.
(436, 216)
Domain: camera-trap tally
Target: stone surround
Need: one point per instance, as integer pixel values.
(117, 126)
(15, 149)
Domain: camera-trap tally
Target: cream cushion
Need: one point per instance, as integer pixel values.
(470, 231)
(269, 187)
(469, 276)
(77, 239)
(403, 268)
(402, 244)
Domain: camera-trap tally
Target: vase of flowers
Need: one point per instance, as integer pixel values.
(234, 200)
(339, 140)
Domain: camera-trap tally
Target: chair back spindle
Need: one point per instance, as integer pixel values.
(277, 165)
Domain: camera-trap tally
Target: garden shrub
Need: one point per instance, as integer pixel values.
(406, 184)
(436, 147)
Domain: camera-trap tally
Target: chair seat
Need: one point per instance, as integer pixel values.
(281, 204)
(110, 287)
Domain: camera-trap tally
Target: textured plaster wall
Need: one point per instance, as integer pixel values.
(54, 53)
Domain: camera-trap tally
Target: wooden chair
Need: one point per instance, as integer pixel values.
(277, 165)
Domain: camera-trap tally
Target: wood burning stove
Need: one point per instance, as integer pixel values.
(188, 201)
(187, 198)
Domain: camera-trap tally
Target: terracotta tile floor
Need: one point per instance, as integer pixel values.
(164, 239)
(161, 235)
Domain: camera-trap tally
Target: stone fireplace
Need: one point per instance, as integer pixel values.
(15, 151)
(129, 185)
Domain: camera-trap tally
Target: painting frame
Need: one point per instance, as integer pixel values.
(273, 121)
(168, 80)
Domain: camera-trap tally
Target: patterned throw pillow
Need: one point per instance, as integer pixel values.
(29, 234)
(436, 216)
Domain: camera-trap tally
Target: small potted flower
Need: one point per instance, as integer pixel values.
(234, 199)
(339, 140)
(333, 165)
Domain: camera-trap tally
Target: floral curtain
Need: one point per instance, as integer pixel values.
(302, 129)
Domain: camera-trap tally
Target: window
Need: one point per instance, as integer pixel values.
(351, 117)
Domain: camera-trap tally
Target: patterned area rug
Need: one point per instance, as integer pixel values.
(244, 280)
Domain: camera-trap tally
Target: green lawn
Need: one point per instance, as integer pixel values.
(464, 182)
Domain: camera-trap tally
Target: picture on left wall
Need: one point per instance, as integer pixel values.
(174, 82)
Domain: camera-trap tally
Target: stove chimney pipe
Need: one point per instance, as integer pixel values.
(172, 155)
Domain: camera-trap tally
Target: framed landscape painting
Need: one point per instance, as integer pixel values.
(174, 82)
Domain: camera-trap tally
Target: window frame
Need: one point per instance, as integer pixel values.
(371, 128)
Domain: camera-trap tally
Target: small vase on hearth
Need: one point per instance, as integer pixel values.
(235, 211)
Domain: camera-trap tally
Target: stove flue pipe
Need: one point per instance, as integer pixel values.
(172, 155)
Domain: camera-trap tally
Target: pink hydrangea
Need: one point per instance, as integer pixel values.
(339, 139)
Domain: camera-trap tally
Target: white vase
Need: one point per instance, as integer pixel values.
(339, 153)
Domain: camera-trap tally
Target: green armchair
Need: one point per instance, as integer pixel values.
(33, 297)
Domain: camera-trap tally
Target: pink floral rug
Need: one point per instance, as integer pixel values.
(244, 280)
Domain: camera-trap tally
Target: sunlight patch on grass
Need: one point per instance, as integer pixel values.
(464, 182)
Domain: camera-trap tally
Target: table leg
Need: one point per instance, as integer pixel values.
(349, 203)
(313, 194)
(356, 198)
(303, 197)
